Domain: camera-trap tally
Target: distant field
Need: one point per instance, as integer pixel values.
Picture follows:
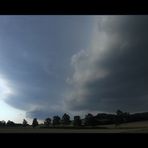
(138, 124)
(134, 127)
(74, 130)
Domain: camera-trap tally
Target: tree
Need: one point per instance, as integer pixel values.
(119, 117)
(25, 123)
(34, 123)
(10, 123)
(66, 119)
(77, 121)
(119, 112)
(104, 118)
(56, 120)
(126, 117)
(90, 120)
(2, 123)
(47, 122)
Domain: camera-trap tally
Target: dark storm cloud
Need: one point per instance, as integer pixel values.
(114, 73)
(34, 58)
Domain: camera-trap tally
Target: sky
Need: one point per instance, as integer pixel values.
(76, 64)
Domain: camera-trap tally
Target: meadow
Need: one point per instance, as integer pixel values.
(133, 127)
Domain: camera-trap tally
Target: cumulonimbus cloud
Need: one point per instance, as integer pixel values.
(34, 58)
(114, 72)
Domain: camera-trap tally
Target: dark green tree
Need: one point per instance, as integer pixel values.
(56, 120)
(25, 123)
(66, 119)
(90, 120)
(2, 123)
(47, 122)
(10, 123)
(35, 123)
(119, 112)
(119, 118)
(77, 121)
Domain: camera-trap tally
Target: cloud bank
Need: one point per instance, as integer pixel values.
(34, 60)
(113, 73)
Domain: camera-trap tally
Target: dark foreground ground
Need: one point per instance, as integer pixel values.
(134, 127)
(142, 130)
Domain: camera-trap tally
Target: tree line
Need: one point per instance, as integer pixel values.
(90, 120)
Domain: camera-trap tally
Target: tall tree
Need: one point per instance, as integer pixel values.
(119, 117)
(66, 119)
(2, 123)
(119, 112)
(25, 123)
(56, 120)
(77, 121)
(90, 120)
(10, 123)
(34, 123)
(47, 122)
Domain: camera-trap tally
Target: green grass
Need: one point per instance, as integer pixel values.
(134, 127)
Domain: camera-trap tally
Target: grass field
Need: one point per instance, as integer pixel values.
(134, 127)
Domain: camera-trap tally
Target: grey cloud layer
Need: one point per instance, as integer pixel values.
(34, 58)
(113, 74)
